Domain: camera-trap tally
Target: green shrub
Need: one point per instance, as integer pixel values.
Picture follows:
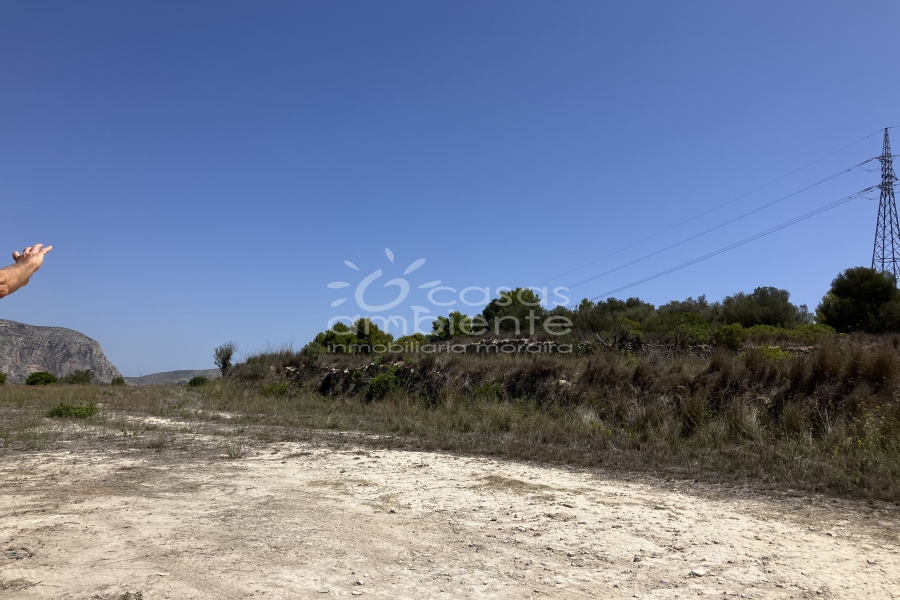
(313, 350)
(410, 343)
(810, 334)
(363, 338)
(117, 381)
(807, 334)
(382, 384)
(77, 411)
(198, 381)
(730, 336)
(276, 389)
(764, 330)
(605, 315)
(41, 378)
(488, 390)
(689, 328)
(456, 324)
(2, 378)
(79, 378)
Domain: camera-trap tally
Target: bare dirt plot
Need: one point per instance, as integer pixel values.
(291, 520)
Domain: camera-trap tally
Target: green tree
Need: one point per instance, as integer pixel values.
(607, 314)
(765, 306)
(369, 336)
(861, 299)
(517, 310)
(334, 341)
(700, 306)
(223, 355)
(412, 342)
(362, 337)
(456, 324)
(685, 327)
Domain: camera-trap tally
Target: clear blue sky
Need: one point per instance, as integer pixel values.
(204, 169)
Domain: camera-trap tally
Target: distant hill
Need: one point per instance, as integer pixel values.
(25, 349)
(176, 377)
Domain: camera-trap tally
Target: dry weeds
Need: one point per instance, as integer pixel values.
(825, 421)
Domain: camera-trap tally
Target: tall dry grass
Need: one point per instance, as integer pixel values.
(827, 420)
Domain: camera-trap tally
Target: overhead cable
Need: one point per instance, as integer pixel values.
(720, 225)
(741, 242)
(717, 207)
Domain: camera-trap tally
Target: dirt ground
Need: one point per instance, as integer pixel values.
(310, 520)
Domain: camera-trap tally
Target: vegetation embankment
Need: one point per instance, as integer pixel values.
(783, 402)
(827, 420)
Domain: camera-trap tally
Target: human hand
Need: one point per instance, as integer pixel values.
(32, 256)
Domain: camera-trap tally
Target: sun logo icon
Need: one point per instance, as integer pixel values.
(399, 282)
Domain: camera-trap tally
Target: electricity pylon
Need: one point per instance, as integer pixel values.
(886, 255)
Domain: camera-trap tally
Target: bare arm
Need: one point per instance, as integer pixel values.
(26, 263)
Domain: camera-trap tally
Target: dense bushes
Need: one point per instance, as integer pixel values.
(605, 315)
(691, 319)
(517, 311)
(78, 377)
(77, 411)
(41, 378)
(272, 390)
(831, 373)
(198, 381)
(382, 384)
(683, 327)
(734, 336)
(765, 306)
(730, 336)
(861, 299)
(364, 337)
(411, 343)
(456, 324)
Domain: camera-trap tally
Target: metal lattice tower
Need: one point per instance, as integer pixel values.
(886, 256)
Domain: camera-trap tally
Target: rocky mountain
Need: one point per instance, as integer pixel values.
(176, 377)
(25, 349)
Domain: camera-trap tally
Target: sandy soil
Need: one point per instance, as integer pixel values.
(315, 521)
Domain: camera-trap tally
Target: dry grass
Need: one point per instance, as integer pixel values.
(829, 420)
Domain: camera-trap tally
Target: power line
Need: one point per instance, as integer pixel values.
(717, 207)
(719, 226)
(742, 242)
